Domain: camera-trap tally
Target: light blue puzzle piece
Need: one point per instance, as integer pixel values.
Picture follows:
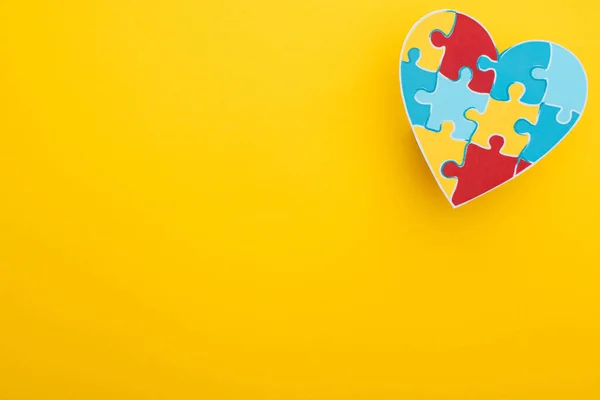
(412, 79)
(515, 65)
(567, 83)
(449, 102)
(544, 135)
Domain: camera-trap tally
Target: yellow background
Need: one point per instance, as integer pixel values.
(223, 200)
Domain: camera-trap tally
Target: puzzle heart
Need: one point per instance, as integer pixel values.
(481, 117)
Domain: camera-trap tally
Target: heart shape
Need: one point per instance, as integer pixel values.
(481, 117)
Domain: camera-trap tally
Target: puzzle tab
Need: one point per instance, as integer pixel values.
(566, 81)
(500, 118)
(449, 101)
(415, 79)
(545, 134)
(420, 38)
(515, 65)
(439, 147)
(467, 42)
(483, 170)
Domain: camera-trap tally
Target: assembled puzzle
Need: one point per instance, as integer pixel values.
(480, 116)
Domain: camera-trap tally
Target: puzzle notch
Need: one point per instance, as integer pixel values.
(545, 134)
(439, 147)
(420, 38)
(500, 117)
(449, 101)
(567, 83)
(466, 43)
(515, 65)
(483, 170)
(414, 79)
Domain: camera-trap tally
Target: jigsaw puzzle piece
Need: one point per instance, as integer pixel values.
(545, 134)
(420, 38)
(567, 83)
(500, 118)
(449, 101)
(466, 43)
(414, 79)
(522, 166)
(483, 170)
(515, 65)
(438, 148)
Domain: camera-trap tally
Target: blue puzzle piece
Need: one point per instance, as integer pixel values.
(515, 65)
(544, 135)
(413, 79)
(449, 102)
(567, 83)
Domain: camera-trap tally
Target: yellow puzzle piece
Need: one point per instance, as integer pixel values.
(439, 147)
(419, 38)
(500, 117)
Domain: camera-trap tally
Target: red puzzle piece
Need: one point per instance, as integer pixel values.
(467, 42)
(522, 166)
(482, 170)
